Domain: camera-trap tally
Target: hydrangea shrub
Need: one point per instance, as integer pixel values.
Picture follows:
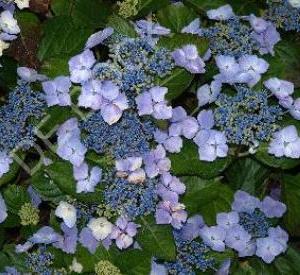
(149, 137)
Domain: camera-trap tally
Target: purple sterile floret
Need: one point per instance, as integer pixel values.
(45, 235)
(182, 125)
(192, 227)
(113, 102)
(237, 238)
(67, 242)
(30, 75)
(294, 108)
(57, 91)
(188, 58)
(87, 240)
(3, 209)
(243, 202)
(5, 162)
(80, 66)
(285, 142)
(86, 181)
(264, 33)
(227, 220)
(222, 13)
(214, 237)
(268, 248)
(170, 187)
(123, 232)
(193, 27)
(207, 94)
(90, 96)
(272, 208)
(206, 119)
(211, 144)
(172, 144)
(280, 88)
(98, 37)
(152, 102)
(171, 213)
(156, 162)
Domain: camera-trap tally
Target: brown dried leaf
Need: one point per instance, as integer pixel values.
(24, 49)
(40, 6)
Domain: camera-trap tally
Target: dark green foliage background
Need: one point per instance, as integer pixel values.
(50, 36)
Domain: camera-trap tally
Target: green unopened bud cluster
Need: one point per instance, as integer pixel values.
(29, 214)
(106, 268)
(128, 8)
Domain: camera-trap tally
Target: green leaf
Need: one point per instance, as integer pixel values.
(130, 261)
(177, 82)
(46, 188)
(287, 263)
(61, 172)
(53, 118)
(61, 259)
(4, 261)
(247, 174)
(206, 197)
(204, 5)
(284, 163)
(291, 197)
(8, 77)
(27, 20)
(62, 37)
(12, 221)
(92, 13)
(15, 196)
(55, 66)
(11, 174)
(284, 64)
(121, 26)
(253, 266)
(239, 7)
(149, 6)
(15, 259)
(182, 39)
(62, 7)
(84, 256)
(156, 240)
(175, 17)
(187, 163)
(104, 161)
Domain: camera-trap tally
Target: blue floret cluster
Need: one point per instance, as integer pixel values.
(129, 181)
(247, 118)
(16, 123)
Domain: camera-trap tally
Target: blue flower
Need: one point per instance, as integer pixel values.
(231, 37)
(284, 15)
(131, 199)
(16, 129)
(130, 136)
(247, 117)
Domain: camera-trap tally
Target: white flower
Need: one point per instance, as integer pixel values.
(3, 209)
(222, 13)
(67, 212)
(8, 24)
(3, 46)
(100, 227)
(76, 266)
(22, 4)
(294, 3)
(5, 162)
(131, 168)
